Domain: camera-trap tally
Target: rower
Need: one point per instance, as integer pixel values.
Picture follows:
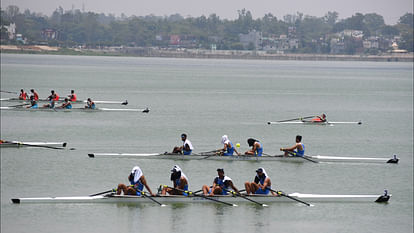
(261, 184)
(297, 150)
(34, 94)
(180, 181)
(186, 148)
(51, 104)
(67, 104)
(54, 96)
(321, 118)
(228, 148)
(90, 104)
(33, 103)
(221, 185)
(72, 96)
(137, 181)
(23, 95)
(257, 148)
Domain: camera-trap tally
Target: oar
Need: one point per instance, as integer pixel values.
(11, 92)
(205, 197)
(284, 195)
(303, 157)
(152, 199)
(294, 119)
(109, 191)
(44, 146)
(244, 197)
(17, 105)
(207, 152)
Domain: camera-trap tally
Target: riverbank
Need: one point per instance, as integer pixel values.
(203, 54)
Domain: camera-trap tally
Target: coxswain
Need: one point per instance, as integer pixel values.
(260, 185)
(72, 96)
(22, 95)
(66, 104)
(297, 150)
(54, 96)
(90, 104)
(34, 94)
(228, 148)
(137, 181)
(33, 103)
(180, 181)
(221, 185)
(51, 104)
(321, 118)
(257, 148)
(186, 148)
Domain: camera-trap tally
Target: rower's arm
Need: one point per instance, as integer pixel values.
(144, 182)
(234, 187)
(289, 149)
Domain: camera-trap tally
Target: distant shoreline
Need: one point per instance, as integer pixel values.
(204, 54)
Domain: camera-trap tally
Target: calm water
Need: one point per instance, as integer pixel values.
(206, 99)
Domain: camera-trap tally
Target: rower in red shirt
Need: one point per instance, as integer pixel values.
(34, 94)
(321, 118)
(54, 96)
(72, 96)
(23, 95)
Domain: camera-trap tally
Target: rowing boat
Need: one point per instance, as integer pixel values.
(199, 199)
(20, 144)
(146, 110)
(63, 99)
(315, 122)
(317, 158)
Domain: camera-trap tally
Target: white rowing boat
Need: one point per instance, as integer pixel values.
(315, 122)
(34, 144)
(316, 158)
(63, 99)
(199, 199)
(145, 110)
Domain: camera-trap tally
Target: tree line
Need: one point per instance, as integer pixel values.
(92, 29)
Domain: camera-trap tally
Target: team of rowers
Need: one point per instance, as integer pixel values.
(222, 184)
(52, 98)
(298, 149)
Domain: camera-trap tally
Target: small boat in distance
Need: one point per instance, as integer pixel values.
(33, 144)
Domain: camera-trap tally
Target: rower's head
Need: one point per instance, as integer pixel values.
(32, 90)
(251, 141)
(298, 138)
(52, 91)
(89, 99)
(66, 100)
(175, 173)
(72, 91)
(183, 136)
(259, 171)
(323, 116)
(21, 90)
(220, 172)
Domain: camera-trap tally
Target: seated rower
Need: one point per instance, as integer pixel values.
(321, 118)
(54, 96)
(72, 96)
(34, 94)
(33, 103)
(297, 150)
(221, 185)
(67, 104)
(261, 184)
(90, 104)
(137, 181)
(186, 148)
(228, 148)
(180, 181)
(51, 104)
(257, 148)
(22, 95)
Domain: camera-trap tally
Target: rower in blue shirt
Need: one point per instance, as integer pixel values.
(257, 148)
(180, 181)
(137, 181)
(90, 104)
(228, 148)
(221, 185)
(261, 183)
(33, 103)
(67, 104)
(297, 150)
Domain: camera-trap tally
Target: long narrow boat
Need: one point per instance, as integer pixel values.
(315, 122)
(199, 199)
(22, 144)
(145, 110)
(63, 99)
(316, 158)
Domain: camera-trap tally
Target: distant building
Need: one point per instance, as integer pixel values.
(252, 37)
(50, 34)
(175, 39)
(357, 34)
(11, 30)
(337, 46)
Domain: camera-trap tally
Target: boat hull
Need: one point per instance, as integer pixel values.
(74, 109)
(25, 144)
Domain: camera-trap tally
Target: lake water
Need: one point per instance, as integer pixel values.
(206, 99)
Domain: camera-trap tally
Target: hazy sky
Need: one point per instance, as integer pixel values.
(391, 10)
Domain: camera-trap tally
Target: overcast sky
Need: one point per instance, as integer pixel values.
(391, 10)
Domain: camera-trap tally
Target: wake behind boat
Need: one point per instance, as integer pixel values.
(20, 108)
(111, 198)
(316, 158)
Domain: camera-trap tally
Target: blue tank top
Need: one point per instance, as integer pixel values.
(230, 150)
(34, 106)
(301, 152)
(140, 186)
(259, 151)
(177, 182)
(69, 106)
